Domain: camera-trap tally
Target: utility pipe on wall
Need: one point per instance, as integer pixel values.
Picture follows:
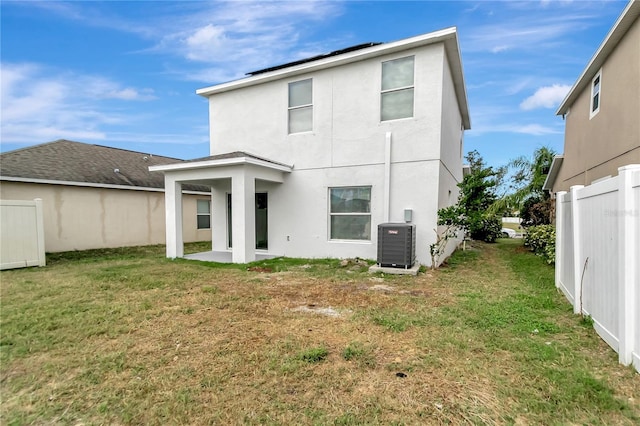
(387, 176)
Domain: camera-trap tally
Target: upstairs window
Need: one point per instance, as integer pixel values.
(595, 95)
(350, 213)
(204, 214)
(300, 106)
(396, 100)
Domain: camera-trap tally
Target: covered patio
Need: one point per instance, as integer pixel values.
(237, 171)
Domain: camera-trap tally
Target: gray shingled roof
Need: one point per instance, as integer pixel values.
(68, 161)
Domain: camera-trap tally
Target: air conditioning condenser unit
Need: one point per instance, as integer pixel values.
(396, 245)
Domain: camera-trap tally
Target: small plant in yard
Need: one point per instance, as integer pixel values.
(314, 355)
(587, 321)
(437, 249)
(398, 320)
(541, 240)
(359, 353)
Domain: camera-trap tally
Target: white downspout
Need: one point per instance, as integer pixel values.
(387, 176)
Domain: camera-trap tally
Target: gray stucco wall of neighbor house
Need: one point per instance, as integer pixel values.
(81, 218)
(595, 147)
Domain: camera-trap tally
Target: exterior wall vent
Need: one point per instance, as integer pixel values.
(396, 245)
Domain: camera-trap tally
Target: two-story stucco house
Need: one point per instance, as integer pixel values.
(602, 110)
(307, 158)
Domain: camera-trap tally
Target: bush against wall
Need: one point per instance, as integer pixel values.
(541, 240)
(477, 193)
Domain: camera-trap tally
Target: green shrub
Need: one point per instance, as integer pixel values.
(541, 240)
(491, 229)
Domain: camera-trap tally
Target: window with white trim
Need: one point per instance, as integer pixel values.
(396, 99)
(350, 213)
(204, 214)
(596, 87)
(301, 106)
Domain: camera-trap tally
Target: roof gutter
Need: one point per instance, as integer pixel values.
(88, 184)
(553, 173)
(221, 163)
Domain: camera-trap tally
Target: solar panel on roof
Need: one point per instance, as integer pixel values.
(315, 58)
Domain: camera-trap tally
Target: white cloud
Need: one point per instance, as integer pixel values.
(526, 31)
(223, 38)
(203, 41)
(40, 104)
(518, 85)
(535, 130)
(102, 88)
(546, 97)
(232, 38)
(524, 129)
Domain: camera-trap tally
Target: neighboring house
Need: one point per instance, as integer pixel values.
(602, 110)
(597, 189)
(307, 158)
(96, 197)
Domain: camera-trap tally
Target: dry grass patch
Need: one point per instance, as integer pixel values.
(129, 337)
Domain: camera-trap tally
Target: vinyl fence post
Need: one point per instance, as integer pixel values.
(40, 232)
(560, 238)
(628, 233)
(577, 253)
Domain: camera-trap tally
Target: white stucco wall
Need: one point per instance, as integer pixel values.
(81, 218)
(346, 107)
(345, 148)
(299, 208)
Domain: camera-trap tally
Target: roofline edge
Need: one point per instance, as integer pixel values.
(88, 184)
(630, 12)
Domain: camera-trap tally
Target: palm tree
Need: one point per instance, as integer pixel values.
(527, 181)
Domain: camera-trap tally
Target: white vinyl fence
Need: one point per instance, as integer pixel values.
(517, 220)
(21, 234)
(597, 257)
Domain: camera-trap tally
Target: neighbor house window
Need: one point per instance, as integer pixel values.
(595, 94)
(300, 106)
(396, 99)
(204, 214)
(350, 213)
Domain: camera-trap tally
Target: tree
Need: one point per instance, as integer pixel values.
(527, 195)
(477, 195)
(537, 211)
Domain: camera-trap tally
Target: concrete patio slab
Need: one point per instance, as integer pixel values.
(223, 256)
(395, 271)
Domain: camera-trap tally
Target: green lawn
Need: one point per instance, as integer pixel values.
(126, 336)
(515, 226)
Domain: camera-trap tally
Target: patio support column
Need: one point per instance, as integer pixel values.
(243, 194)
(173, 217)
(211, 207)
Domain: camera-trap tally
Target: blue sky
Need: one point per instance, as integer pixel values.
(124, 74)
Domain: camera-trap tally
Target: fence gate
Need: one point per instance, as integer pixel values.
(21, 234)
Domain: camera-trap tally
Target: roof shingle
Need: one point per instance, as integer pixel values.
(68, 161)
